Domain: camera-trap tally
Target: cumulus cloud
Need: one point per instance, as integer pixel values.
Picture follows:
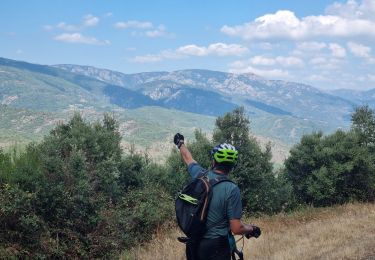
(143, 28)
(359, 50)
(79, 38)
(318, 60)
(371, 77)
(261, 60)
(215, 49)
(311, 46)
(324, 63)
(159, 32)
(284, 24)
(90, 20)
(238, 67)
(218, 49)
(133, 24)
(337, 50)
(289, 61)
(67, 27)
(87, 21)
(353, 9)
(315, 77)
(149, 58)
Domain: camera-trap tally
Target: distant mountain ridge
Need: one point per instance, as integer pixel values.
(257, 94)
(278, 109)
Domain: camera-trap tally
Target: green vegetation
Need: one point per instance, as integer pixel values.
(337, 168)
(76, 194)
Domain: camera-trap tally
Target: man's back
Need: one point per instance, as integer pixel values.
(224, 206)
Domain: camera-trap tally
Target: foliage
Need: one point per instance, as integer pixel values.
(76, 194)
(69, 196)
(337, 168)
(261, 190)
(363, 123)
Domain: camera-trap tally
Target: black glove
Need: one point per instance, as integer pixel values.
(178, 140)
(255, 233)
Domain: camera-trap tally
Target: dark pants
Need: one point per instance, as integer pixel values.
(214, 249)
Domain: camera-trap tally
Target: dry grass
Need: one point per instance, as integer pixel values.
(343, 232)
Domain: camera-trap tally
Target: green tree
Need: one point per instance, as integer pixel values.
(363, 123)
(326, 170)
(70, 195)
(261, 190)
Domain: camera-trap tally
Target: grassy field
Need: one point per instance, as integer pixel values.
(341, 232)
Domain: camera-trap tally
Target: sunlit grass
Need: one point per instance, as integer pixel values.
(341, 232)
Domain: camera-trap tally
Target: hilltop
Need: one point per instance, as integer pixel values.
(151, 106)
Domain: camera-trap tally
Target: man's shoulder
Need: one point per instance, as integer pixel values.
(194, 169)
(224, 182)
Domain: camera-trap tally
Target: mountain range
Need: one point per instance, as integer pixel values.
(277, 109)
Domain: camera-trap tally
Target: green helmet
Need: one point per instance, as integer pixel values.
(224, 153)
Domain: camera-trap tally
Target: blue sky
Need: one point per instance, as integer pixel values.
(327, 44)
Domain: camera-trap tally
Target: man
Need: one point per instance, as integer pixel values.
(225, 209)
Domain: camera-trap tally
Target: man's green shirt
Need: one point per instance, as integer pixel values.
(224, 206)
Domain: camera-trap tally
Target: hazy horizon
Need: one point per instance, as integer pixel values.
(326, 44)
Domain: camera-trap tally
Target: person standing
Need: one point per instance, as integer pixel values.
(225, 209)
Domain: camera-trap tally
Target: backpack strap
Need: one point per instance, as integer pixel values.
(203, 173)
(217, 180)
(214, 182)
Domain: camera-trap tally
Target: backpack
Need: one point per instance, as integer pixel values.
(192, 204)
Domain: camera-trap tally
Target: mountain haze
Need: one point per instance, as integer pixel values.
(278, 110)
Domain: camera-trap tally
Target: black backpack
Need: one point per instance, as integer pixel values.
(192, 204)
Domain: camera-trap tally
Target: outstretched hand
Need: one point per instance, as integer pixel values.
(178, 140)
(256, 232)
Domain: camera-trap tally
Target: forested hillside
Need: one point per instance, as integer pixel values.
(76, 193)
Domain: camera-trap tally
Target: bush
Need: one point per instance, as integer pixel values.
(331, 169)
(74, 194)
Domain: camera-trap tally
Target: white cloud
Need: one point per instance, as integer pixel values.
(311, 46)
(218, 49)
(261, 60)
(323, 63)
(161, 31)
(215, 49)
(272, 73)
(149, 58)
(315, 77)
(284, 24)
(133, 24)
(352, 9)
(371, 77)
(48, 27)
(289, 61)
(19, 51)
(145, 28)
(90, 20)
(79, 38)
(337, 50)
(192, 50)
(279, 60)
(67, 27)
(87, 21)
(359, 50)
(318, 60)
(266, 45)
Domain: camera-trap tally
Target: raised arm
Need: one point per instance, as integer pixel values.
(184, 151)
